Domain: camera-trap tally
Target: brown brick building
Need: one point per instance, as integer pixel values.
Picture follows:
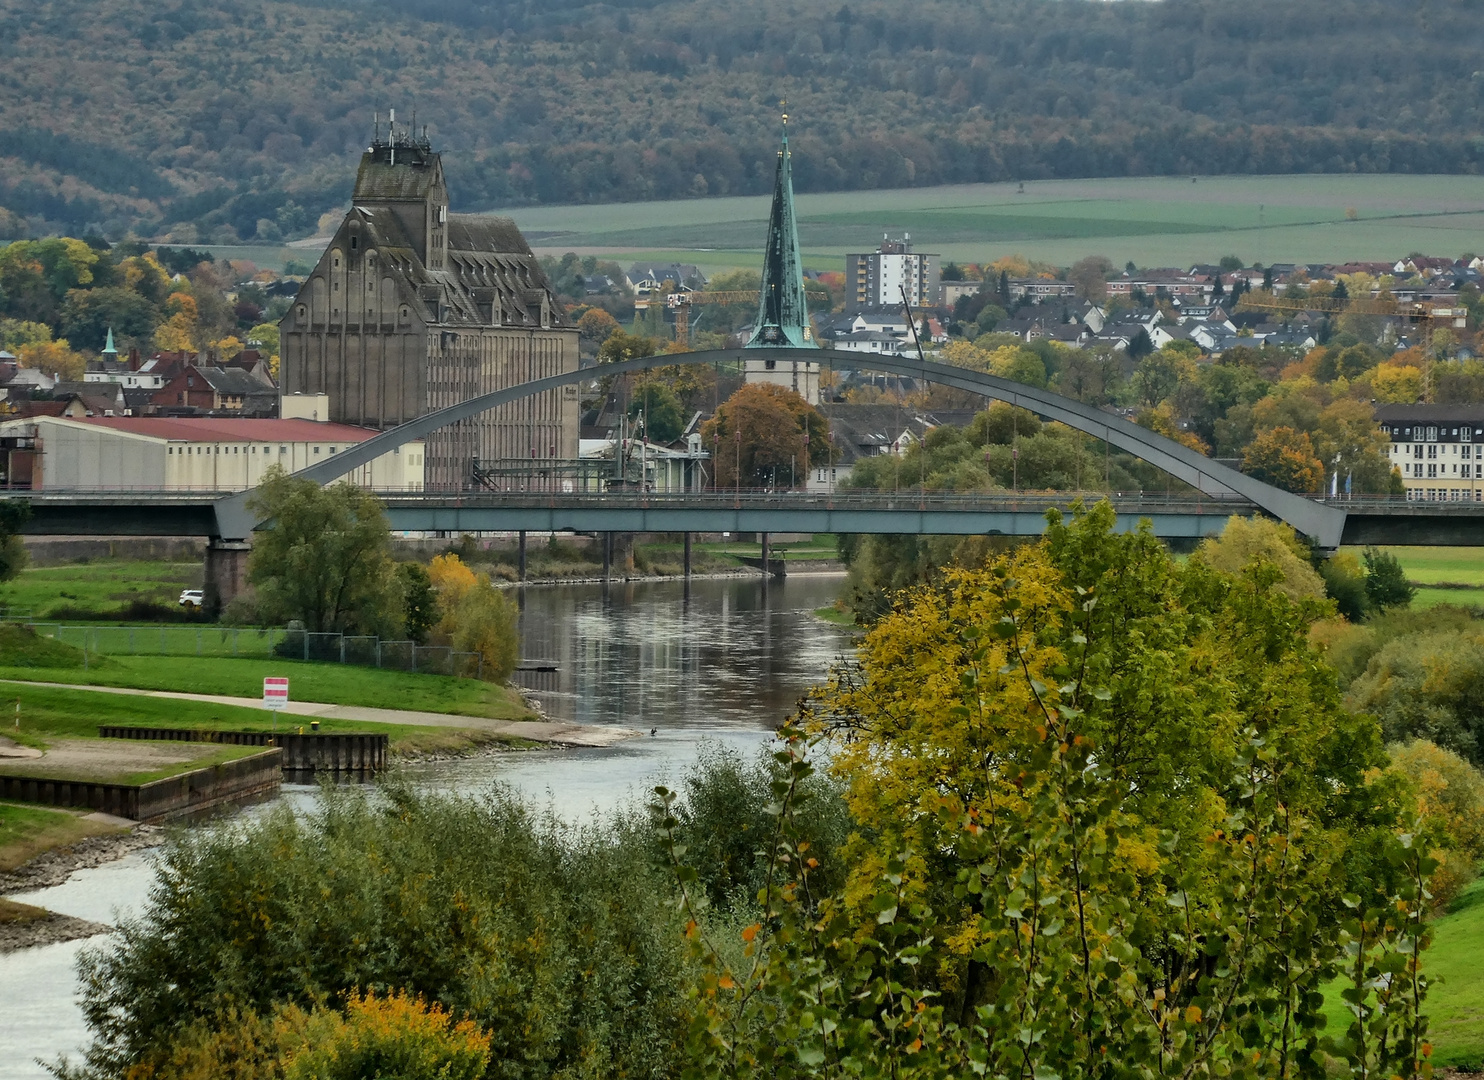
(412, 308)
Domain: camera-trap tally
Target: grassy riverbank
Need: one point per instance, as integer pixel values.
(106, 589)
(337, 684)
(27, 831)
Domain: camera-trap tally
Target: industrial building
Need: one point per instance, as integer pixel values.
(149, 453)
(412, 308)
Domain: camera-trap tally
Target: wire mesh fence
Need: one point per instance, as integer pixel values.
(288, 643)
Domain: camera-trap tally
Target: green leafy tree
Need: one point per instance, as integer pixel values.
(14, 513)
(1386, 584)
(88, 315)
(324, 559)
(1077, 857)
(660, 409)
(419, 600)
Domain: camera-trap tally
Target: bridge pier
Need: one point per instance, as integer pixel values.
(687, 556)
(767, 556)
(607, 554)
(226, 572)
(521, 560)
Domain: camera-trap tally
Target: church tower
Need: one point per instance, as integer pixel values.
(783, 312)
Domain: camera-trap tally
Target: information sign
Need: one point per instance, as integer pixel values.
(275, 693)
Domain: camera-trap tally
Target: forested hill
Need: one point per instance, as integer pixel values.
(248, 114)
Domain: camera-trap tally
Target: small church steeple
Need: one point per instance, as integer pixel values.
(109, 352)
(783, 313)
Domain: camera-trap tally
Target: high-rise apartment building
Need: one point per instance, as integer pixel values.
(877, 279)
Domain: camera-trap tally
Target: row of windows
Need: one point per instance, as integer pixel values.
(1465, 471)
(1432, 433)
(1464, 451)
(1445, 495)
(195, 450)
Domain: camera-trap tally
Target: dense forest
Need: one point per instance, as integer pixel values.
(212, 121)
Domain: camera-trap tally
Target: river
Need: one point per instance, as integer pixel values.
(724, 660)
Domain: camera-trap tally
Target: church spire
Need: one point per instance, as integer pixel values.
(783, 314)
(108, 349)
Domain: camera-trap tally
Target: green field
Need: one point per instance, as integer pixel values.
(99, 587)
(1154, 221)
(1444, 575)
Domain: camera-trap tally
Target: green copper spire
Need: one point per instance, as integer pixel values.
(109, 350)
(783, 315)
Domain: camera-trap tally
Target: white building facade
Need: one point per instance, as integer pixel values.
(202, 453)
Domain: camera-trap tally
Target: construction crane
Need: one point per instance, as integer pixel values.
(1456, 316)
(682, 302)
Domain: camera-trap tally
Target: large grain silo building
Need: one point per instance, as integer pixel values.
(412, 308)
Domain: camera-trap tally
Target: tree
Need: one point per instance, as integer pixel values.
(766, 431)
(1249, 541)
(419, 600)
(621, 345)
(1158, 375)
(13, 555)
(1386, 583)
(596, 325)
(325, 560)
(88, 315)
(475, 617)
(1284, 458)
(56, 358)
(1071, 769)
(1401, 385)
(1090, 275)
(660, 409)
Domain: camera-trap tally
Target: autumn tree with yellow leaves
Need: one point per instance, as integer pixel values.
(475, 617)
(1112, 820)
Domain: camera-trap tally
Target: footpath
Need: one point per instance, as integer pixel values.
(540, 731)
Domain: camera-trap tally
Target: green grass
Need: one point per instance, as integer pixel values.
(1455, 1000)
(1155, 221)
(21, 646)
(47, 712)
(26, 831)
(102, 588)
(835, 616)
(1444, 575)
(339, 684)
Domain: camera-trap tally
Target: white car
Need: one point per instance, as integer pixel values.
(192, 598)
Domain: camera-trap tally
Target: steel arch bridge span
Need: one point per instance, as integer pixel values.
(1323, 524)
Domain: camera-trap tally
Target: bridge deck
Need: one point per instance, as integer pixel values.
(175, 513)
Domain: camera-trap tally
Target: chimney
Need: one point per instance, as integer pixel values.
(133, 359)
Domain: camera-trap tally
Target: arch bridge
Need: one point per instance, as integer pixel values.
(1230, 490)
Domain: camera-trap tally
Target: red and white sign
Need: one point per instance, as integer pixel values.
(275, 693)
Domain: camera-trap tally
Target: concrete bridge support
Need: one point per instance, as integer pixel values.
(687, 556)
(521, 570)
(226, 572)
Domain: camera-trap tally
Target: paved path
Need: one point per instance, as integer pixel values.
(547, 731)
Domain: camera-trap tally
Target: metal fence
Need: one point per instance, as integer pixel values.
(292, 644)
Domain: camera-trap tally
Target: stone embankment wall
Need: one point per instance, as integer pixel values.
(159, 800)
(351, 752)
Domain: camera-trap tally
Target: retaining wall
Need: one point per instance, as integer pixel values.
(179, 796)
(310, 752)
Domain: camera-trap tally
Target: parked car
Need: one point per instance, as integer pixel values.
(192, 598)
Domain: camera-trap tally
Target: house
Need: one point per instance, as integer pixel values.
(1039, 290)
(197, 453)
(201, 388)
(644, 278)
(871, 341)
(954, 291)
(1438, 448)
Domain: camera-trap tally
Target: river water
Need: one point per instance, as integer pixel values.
(724, 660)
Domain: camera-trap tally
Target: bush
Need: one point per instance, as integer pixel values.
(21, 646)
(1450, 797)
(562, 944)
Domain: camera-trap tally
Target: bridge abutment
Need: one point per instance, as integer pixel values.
(226, 572)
